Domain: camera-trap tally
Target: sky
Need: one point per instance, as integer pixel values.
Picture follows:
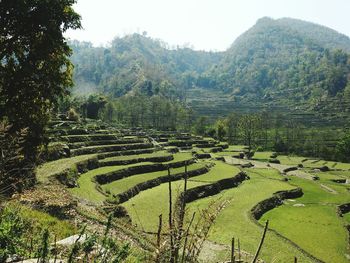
(200, 24)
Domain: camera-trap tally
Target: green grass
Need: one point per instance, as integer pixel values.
(266, 173)
(218, 172)
(262, 155)
(145, 208)
(124, 184)
(235, 220)
(311, 163)
(45, 171)
(316, 228)
(314, 193)
(181, 156)
(290, 160)
(136, 156)
(225, 153)
(236, 148)
(346, 218)
(342, 174)
(87, 189)
(38, 221)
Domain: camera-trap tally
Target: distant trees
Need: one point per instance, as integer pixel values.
(275, 132)
(135, 110)
(343, 148)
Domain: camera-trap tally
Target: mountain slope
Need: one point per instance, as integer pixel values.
(283, 63)
(137, 63)
(274, 61)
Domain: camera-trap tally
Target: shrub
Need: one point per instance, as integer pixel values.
(12, 227)
(72, 115)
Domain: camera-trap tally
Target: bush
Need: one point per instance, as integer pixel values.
(72, 115)
(12, 227)
(56, 150)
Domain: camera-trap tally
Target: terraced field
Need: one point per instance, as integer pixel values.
(314, 217)
(106, 166)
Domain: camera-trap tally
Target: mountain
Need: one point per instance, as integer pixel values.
(137, 63)
(278, 64)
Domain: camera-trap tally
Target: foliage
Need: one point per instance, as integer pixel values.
(134, 110)
(35, 69)
(199, 126)
(137, 63)
(282, 64)
(24, 230)
(343, 148)
(249, 129)
(15, 170)
(12, 227)
(277, 61)
(72, 115)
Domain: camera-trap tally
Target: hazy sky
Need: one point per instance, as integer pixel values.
(204, 24)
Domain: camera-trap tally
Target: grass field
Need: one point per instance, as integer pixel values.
(45, 171)
(315, 228)
(263, 156)
(124, 184)
(131, 157)
(235, 219)
(87, 190)
(311, 221)
(145, 208)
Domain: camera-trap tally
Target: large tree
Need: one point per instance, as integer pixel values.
(35, 69)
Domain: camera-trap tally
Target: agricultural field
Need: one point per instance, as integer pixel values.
(124, 168)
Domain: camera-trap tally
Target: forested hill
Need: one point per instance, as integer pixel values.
(138, 63)
(285, 62)
(282, 56)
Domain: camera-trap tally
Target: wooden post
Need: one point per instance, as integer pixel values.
(261, 242)
(159, 231)
(55, 249)
(233, 250)
(239, 251)
(295, 260)
(172, 257)
(186, 237)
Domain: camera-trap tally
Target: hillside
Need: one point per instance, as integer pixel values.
(137, 63)
(284, 65)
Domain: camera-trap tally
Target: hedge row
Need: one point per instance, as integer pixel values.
(155, 159)
(125, 196)
(276, 200)
(140, 169)
(77, 145)
(203, 191)
(110, 148)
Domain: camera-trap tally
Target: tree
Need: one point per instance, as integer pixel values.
(200, 125)
(220, 129)
(35, 69)
(343, 148)
(249, 129)
(232, 127)
(93, 105)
